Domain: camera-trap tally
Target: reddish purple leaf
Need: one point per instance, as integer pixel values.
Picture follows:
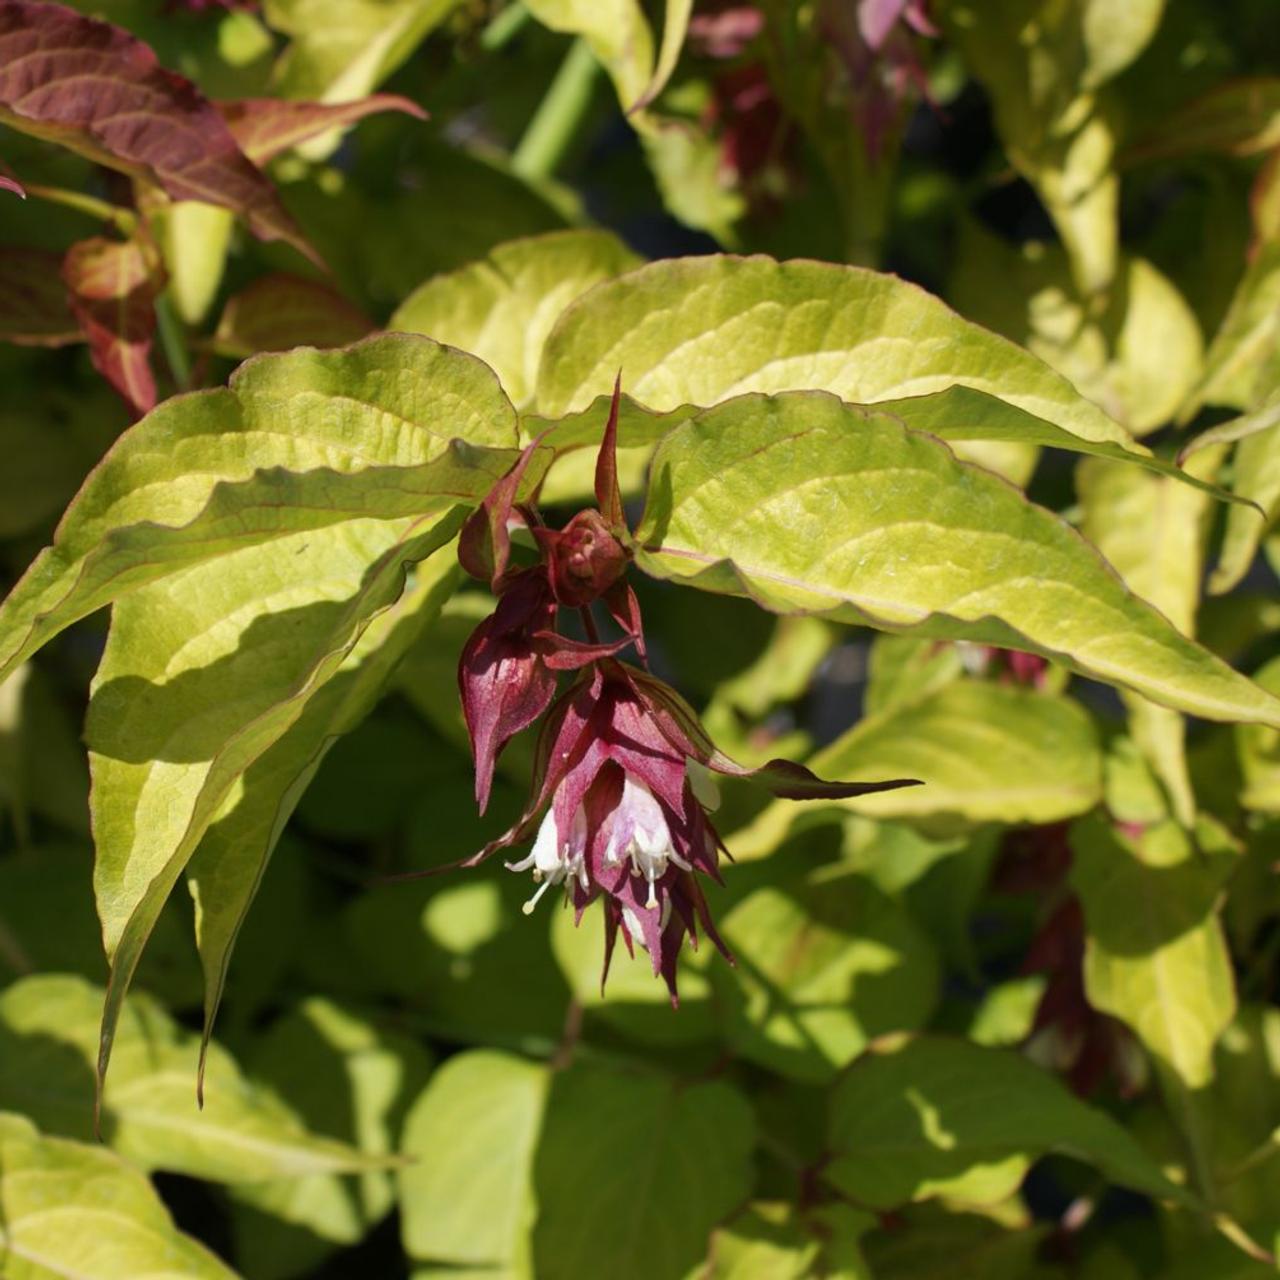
(281, 311)
(113, 286)
(266, 127)
(33, 299)
(99, 91)
(12, 184)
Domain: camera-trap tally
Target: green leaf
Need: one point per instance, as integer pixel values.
(1137, 357)
(985, 753)
(1153, 532)
(765, 1242)
(1156, 957)
(616, 31)
(808, 505)
(659, 1161)
(1255, 470)
(901, 669)
(1258, 749)
(822, 967)
(675, 25)
(1243, 360)
(343, 49)
(345, 1078)
(54, 1189)
(503, 307)
(933, 1244)
(699, 330)
(49, 1026)
(1239, 117)
(203, 673)
(1042, 63)
(231, 859)
(451, 944)
(467, 1197)
(299, 441)
(937, 1117)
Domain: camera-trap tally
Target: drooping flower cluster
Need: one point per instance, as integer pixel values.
(620, 802)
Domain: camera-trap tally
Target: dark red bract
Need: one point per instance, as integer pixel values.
(620, 803)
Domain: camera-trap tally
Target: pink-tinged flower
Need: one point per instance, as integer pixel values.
(621, 791)
(725, 32)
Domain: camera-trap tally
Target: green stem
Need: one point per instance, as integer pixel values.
(555, 122)
(174, 342)
(122, 219)
(505, 27)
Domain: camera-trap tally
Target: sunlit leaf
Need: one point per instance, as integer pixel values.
(52, 1187)
(1259, 752)
(984, 752)
(1153, 532)
(699, 330)
(939, 1117)
(343, 49)
(503, 307)
(467, 1198)
(805, 504)
(207, 474)
(618, 34)
(232, 857)
(1156, 957)
(822, 967)
(344, 1078)
(49, 1025)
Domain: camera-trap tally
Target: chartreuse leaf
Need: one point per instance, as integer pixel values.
(502, 307)
(52, 1189)
(808, 505)
(299, 441)
(978, 427)
(1156, 957)
(1153, 531)
(765, 1240)
(232, 857)
(203, 673)
(467, 1197)
(617, 33)
(346, 1078)
(699, 330)
(822, 966)
(1042, 63)
(342, 49)
(938, 1117)
(1240, 117)
(985, 753)
(659, 1161)
(49, 1028)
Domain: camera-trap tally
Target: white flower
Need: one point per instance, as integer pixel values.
(636, 929)
(640, 833)
(553, 859)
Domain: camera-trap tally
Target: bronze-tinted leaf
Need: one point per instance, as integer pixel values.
(281, 311)
(266, 127)
(100, 92)
(112, 286)
(33, 299)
